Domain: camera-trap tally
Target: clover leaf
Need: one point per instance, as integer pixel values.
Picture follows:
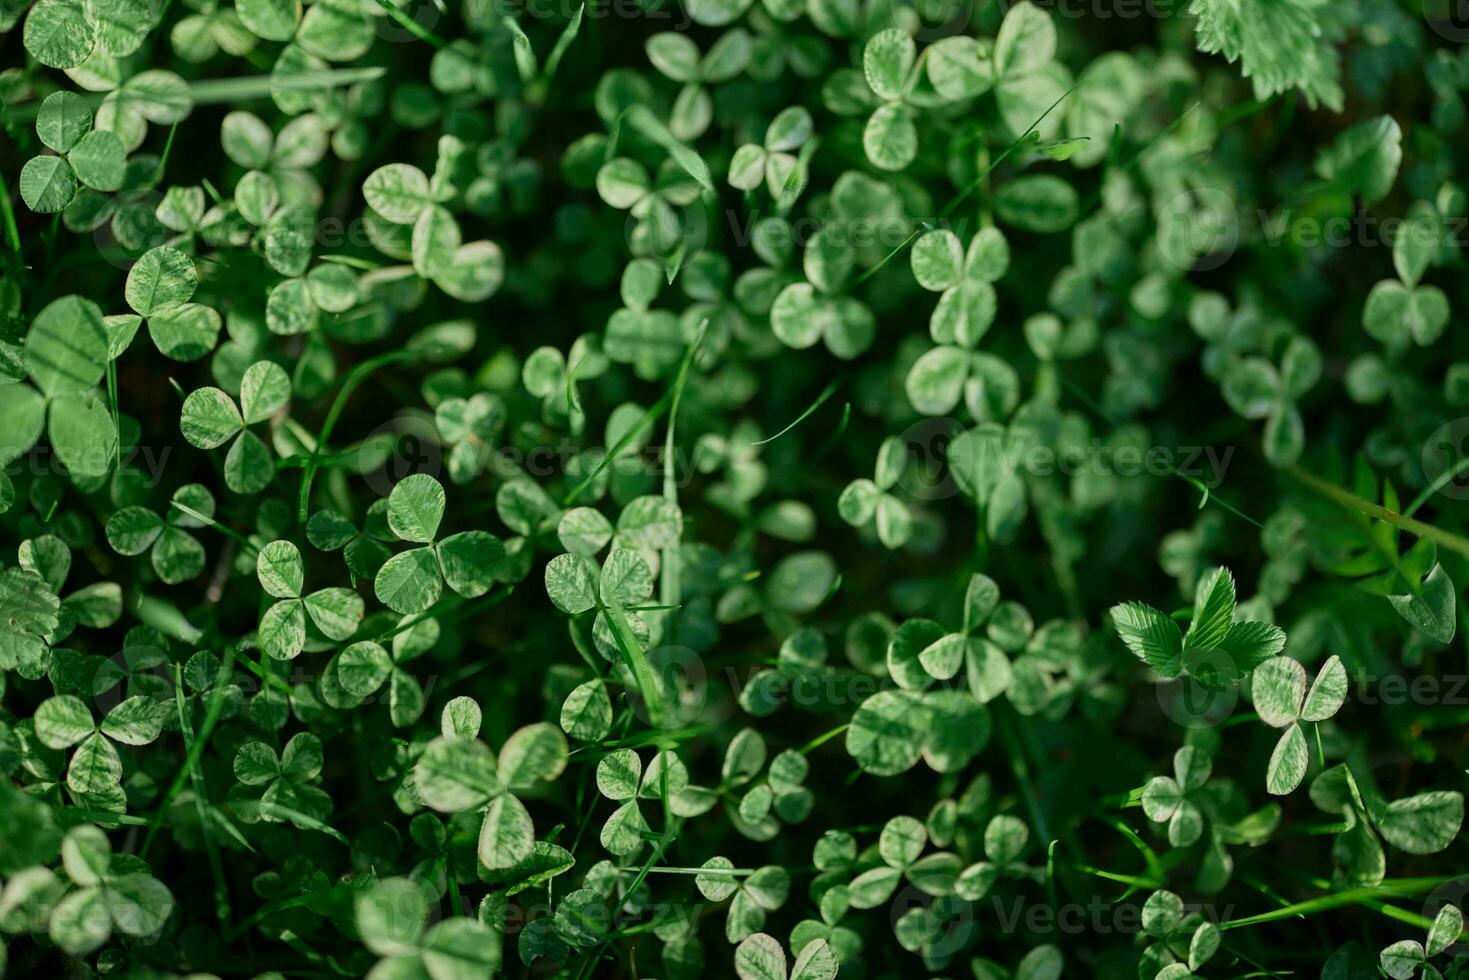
(210, 418)
(864, 500)
(412, 581)
(1216, 648)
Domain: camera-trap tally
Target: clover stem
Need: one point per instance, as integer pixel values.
(195, 751)
(1367, 897)
(354, 378)
(1346, 498)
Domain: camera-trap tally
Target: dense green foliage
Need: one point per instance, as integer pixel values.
(787, 489)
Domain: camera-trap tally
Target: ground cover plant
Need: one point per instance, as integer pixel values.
(783, 489)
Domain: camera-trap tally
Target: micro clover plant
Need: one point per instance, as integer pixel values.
(1026, 74)
(108, 893)
(864, 500)
(800, 664)
(890, 138)
(622, 778)
(818, 310)
(277, 165)
(736, 457)
(280, 786)
(637, 334)
(656, 201)
(1401, 310)
(364, 668)
(401, 195)
(459, 773)
(1005, 840)
(678, 59)
(766, 805)
(1056, 272)
(1282, 700)
(94, 774)
(1215, 651)
(549, 375)
(95, 606)
(175, 554)
(576, 585)
(776, 162)
(1257, 389)
(1181, 941)
(282, 634)
(984, 461)
(210, 418)
(752, 897)
(834, 904)
(210, 29)
(67, 353)
(900, 849)
(412, 581)
(1408, 958)
(1166, 798)
(469, 426)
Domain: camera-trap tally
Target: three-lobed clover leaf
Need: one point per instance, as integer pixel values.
(92, 157)
(775, 162)
(576, 584)
(765, 805)
(622, 778)
(281, 787)
(96, 769)
(470, 427)
(1283, 701)
(800, 665)
(900, 849)
(890, 137)
(403, 196)
(210, 418)
(412, 581)
(175, 554)
(362, 669)
(335, 611)
(1256, 389)
(865, 500)
(1182, 941)
(1166, 798)
(678, 58)
(1408, 958)
(818, 309)
(1216, 650)
(65, 353)
(457, 772)
(752, 897)
(109, 893)
(1005, 840)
